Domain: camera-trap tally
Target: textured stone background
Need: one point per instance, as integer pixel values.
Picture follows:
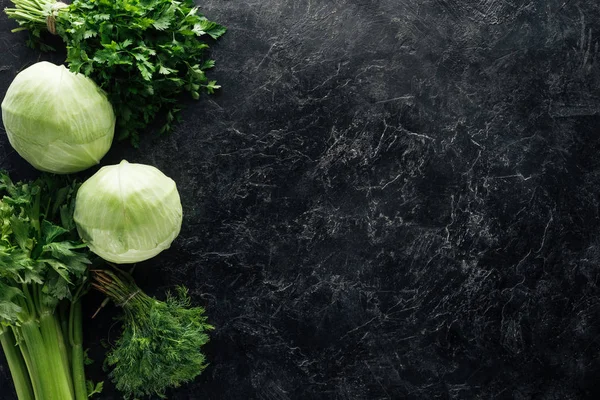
(388, 199)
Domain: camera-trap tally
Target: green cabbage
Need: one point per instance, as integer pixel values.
(128, 213)
(58, 121)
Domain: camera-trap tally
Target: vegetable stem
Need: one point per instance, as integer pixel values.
(16, 364)
(35, 379)
(76, 340)
(30, 11)
(57, 361)
(29, 301)
(64, 310)
(40, 365)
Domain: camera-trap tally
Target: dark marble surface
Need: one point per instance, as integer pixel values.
(388, 199)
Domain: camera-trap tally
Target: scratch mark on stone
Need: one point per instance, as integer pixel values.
(545, 232)
(392, 181)
(418, 135)
(377, 379)
(395, 99)
(359, 327)
(519, 175)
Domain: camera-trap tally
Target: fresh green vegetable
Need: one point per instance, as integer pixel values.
(43, 268)
(160, 345)
(128, 212)
(16, 364)
(59, 121)
(144, 53)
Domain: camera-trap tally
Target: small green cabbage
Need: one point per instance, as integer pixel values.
(58, 121)
(128, 213)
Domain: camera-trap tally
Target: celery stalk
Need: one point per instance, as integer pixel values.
(76, 340)
(56, 356)
(16, 364)
(40, 365)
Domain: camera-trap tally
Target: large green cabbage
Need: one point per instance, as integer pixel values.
(58, 121)
(128, 212)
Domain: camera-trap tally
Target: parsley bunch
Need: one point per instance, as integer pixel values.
(143, 53)
(43, 268)
(160, 345)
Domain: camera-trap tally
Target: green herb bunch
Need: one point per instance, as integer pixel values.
(160, 345)
(43, 269)
(143, 53)
(39, 243)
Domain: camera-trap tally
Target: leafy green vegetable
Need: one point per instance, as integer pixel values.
(16, 364)
(42, 271)
(59, 121)
(94, 388)
(160, 344)
(127, 213)
(143, 53)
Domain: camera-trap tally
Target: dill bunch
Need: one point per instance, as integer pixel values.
(160, 344)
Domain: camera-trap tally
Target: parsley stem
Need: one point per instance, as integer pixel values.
(25, 16)
(28, 12)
